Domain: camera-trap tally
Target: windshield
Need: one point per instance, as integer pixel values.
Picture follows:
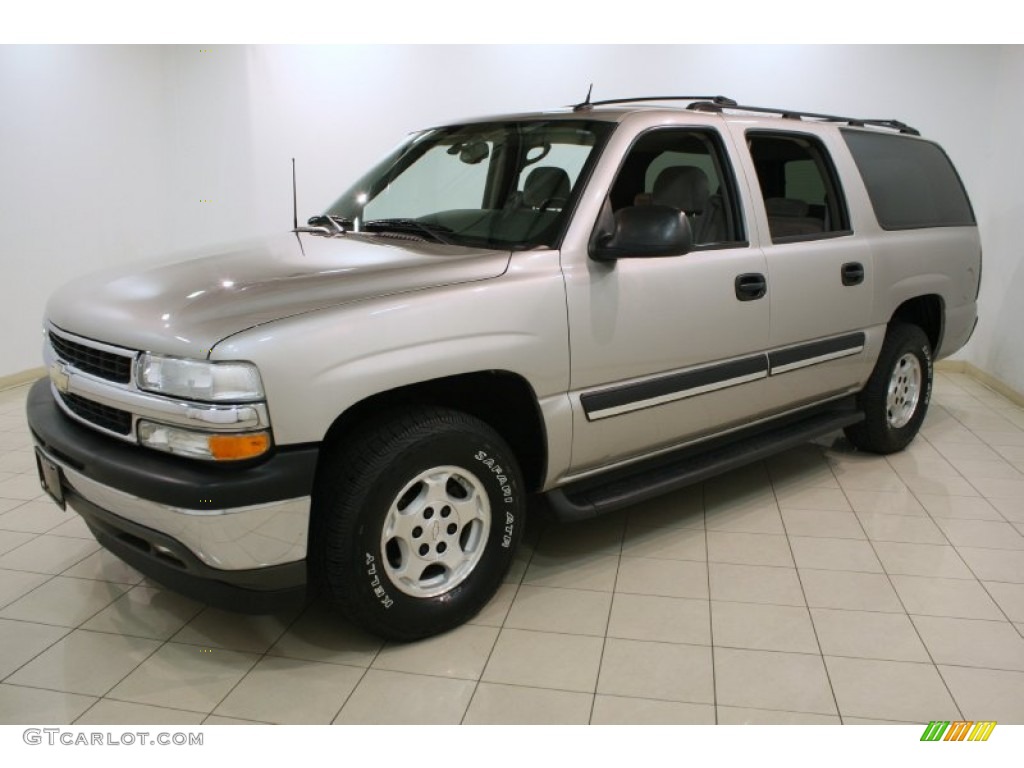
(492, 185)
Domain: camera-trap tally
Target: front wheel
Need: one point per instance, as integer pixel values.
(417, 520)
(895, 399)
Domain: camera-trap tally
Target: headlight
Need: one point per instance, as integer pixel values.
(218, 446)
(200, 379)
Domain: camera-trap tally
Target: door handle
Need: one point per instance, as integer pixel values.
(853, 273)
(750, 286)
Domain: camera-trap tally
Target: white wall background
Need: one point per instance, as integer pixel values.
(107, 154)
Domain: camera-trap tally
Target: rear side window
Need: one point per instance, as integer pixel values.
(802, 196)
(911, 182)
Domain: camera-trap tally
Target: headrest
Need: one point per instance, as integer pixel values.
(682, 186)
(785, 206)
(545, 184)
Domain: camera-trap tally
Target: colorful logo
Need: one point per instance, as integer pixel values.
(960, 730)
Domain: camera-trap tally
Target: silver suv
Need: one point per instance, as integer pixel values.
(600, 304)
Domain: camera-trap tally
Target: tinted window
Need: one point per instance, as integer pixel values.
(911, 182)
(687, 170)
(802, 197)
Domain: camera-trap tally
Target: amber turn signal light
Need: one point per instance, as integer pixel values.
(235, 447)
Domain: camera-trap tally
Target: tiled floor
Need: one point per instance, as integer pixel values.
(822, 586)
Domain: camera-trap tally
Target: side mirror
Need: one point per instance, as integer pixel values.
(644, 231)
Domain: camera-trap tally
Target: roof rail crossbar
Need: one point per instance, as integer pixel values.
(715, 106)
(722, 101)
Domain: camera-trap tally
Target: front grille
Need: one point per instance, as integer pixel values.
(106, 365)
(101, 415)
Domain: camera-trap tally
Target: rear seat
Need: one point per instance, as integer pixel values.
(787, 217)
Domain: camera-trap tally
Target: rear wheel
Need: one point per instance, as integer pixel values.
(895, 399)
(417, 520)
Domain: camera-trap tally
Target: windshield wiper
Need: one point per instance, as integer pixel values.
(432, 231)
(329, 224)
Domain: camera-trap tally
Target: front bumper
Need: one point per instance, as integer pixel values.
(234, 536)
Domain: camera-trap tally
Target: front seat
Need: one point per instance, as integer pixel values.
(686, 188)
(546, 188)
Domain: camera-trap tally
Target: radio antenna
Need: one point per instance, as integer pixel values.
(295, 200)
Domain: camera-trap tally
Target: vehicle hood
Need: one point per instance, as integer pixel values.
(184, 307)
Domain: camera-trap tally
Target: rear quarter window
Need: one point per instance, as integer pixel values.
(911, 182)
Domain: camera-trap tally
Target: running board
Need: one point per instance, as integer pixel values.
(595, 496)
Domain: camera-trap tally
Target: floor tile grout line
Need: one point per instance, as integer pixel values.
(711, 616)
(608, 621)
(803, 591)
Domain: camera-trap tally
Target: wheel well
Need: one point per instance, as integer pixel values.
(927, 313)
(503, 400)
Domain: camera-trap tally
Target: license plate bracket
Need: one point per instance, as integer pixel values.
(51, 478)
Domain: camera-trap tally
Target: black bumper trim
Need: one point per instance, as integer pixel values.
(170, 480)
(258, 591)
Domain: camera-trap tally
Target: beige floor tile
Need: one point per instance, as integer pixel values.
(980, 469)
(747, 716)
(573, 572)
(961, 598)
(972, 643)
(755, 584)
(792, 682)
(904, 529)
(986, 694)
(745, 513)
(35, 517)
(89, 663)
(6, 505)
(11, 540)
(959, 507)
(549, 609)
(1010, 598)
(672, 543)
(108, 712)
(834, 554)
(48, 554)
(495, 704)
(602, 535)
(1000, 438)
(624, 710)
(886, 502)
(22, 641)
(214, 628)
(493, 614)
(667, 578)
(954, 451)
(922, 560)
(104, 566)
(890, 690)
(21, 486)
(63, 601)
(999, 488)
(662, 619)
(820, 499)
(818, 523)
(748, 549)
(850, 591)
(868, 635)
(291, 691)
(397, 698)
(657, 670)
(939, 486)
(876, 476)
(462, 653)
(875, 721)
(34, 706)
(994, 564)
(545, 660)
(74, 528)
(763, 627)
(20, 462)
(981, 533)
(218, 720)
(145, 612)
(321, 635)
(683, 509)
(1013, 453)
(185, 677)
(15, 584)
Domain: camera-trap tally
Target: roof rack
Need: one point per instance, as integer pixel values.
(715, 105)
(720, 101)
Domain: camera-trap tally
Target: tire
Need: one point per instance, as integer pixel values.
(416, 522)
(895, 399)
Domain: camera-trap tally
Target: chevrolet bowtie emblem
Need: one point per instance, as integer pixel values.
(60, 377)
